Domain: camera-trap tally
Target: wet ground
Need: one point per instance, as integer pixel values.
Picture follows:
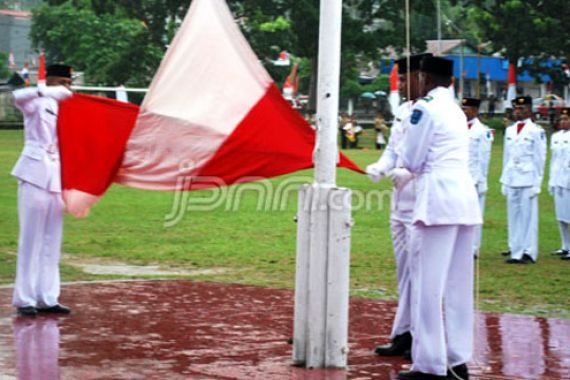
(196, 330)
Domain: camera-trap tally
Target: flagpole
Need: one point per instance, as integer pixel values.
(326, 152)
(324, 221)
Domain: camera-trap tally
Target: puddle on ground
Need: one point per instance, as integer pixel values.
(98, 266)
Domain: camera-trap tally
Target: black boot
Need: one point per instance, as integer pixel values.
(415, 375)
(459, 372)
(399, 345)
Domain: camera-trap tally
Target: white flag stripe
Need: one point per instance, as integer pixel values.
(209, 76)
(208, 81)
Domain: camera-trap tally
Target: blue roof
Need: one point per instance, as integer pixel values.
(385, 66)
(495, 68)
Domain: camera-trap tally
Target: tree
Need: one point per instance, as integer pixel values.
(515, 27)
(122, 41)
(4, 72)
(367, 27)
(110, 49)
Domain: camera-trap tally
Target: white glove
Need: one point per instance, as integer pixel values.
(58, 93)
(374, 173)
(504, 190)
(534, 191)
(400, 177)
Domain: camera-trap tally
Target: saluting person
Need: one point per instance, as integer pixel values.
(403, 199)
(445, 214)
(40, 204)
(523, 168)
(480, 143)
(559, 180)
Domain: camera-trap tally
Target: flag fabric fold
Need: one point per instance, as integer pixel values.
(212, 111)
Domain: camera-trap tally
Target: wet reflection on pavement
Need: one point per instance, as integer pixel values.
(196, 330)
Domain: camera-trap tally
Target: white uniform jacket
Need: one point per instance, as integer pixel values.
(436, 149)
(39, 162)
(403, 199)
(524, 156)
(560, 160)
(480, 143)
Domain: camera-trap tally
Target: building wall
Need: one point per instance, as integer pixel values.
(14, 37)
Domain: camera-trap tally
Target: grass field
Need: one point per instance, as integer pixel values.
(255, 246)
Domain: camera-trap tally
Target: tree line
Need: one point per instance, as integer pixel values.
(122, 41)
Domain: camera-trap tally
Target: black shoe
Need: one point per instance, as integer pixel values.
(57, 309)
(567, 257)
(459, 372)
(515, 261)
(560, 252)
(527, 259)
(27, 311)
(415, 375)
(398, 346)
(506, 253)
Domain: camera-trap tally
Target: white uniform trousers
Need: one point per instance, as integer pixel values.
(479, 227)
(522, 215)
(562, 208)
(401, 229)
(442, 279)
(562, 204)
(40, 214)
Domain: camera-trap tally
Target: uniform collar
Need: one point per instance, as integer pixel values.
(525, 129)
(525, 121)
(440, 90)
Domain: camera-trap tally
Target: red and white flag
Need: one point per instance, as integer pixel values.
(394, 97)
(212, 117)
(512, 89)
(42, 69)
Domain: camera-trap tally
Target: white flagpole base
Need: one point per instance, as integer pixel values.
(322, 279)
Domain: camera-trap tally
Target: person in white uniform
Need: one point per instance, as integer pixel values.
(480, 143)
(446, 211)
(40, 205)
(559, 179)
(403, 198)
(523, 168)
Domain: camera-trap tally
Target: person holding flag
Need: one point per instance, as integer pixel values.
(403, 198)
(40, 204)
(445, 213)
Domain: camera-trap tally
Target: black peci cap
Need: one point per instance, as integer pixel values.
(522, 101)
(58, 71)
(471, 102)
(415, 62)
(437, 65)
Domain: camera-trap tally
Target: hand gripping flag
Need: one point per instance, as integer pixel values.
(212, 117)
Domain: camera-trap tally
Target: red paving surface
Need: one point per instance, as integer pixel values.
(193, 330)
